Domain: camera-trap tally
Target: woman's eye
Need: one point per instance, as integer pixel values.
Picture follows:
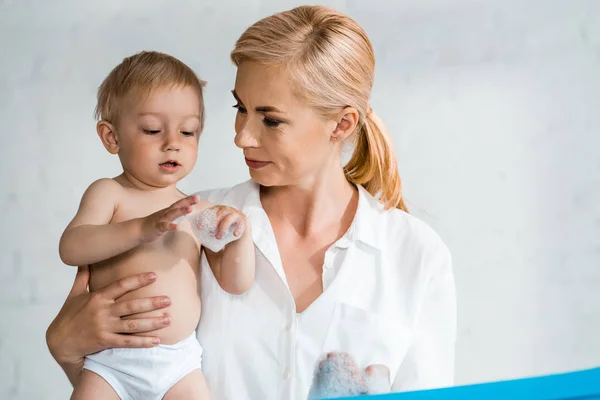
(240, 109)
(271, 123)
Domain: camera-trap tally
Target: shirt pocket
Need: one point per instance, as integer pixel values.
(370, 338)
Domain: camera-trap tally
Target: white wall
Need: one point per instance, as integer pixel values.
(494, 107)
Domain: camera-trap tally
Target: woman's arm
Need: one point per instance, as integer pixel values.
(429, 362)
(90, 322)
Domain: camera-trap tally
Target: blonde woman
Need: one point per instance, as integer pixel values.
(341, 267)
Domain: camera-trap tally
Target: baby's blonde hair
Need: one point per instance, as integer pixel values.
(138, 76)
(332, 64)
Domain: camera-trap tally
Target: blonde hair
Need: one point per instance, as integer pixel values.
(331, 61)
(139, 75)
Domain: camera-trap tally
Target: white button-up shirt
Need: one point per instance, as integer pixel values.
(388, 298)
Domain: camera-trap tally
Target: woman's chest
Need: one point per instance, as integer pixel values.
(359, 312)
(302, 265)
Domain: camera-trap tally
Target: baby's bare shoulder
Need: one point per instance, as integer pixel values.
(104, 191)
(106, 186)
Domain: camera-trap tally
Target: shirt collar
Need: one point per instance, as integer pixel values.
(365, 226)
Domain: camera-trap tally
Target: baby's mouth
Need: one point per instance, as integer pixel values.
(170, 164)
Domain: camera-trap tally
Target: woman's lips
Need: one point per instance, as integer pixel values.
(255, 164)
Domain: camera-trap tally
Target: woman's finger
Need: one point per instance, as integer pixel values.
(136, 306)
(80, 284)
(142, 325)
(132, 341)
(125, 285)
(377, 379)
(378, 369)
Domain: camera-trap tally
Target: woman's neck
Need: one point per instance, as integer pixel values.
(312, 206)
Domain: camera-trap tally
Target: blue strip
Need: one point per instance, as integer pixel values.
(580, 385)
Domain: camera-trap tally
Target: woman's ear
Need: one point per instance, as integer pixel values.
(346, 124)
(108, 136)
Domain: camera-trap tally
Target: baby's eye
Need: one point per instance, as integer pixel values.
(151, 131)
(188, 133)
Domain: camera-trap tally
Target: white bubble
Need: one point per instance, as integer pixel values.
(204, 226)
(337, 375)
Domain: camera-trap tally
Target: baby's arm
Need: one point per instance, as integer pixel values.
(90, 237)
(233, 266)
(237, 264)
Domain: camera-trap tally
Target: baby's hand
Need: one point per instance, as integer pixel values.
(217, 226)
(155, 225)
(228, 217)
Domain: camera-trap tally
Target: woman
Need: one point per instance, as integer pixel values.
(337, 269)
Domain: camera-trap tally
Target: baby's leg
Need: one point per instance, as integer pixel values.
(93, 387)
(192, 386)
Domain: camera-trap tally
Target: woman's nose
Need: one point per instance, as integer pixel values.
(244, 137)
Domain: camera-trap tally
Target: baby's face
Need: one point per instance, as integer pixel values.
(158, 136)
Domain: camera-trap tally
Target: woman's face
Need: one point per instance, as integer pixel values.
(285, 142)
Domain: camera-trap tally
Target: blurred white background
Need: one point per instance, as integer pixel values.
(493, 106)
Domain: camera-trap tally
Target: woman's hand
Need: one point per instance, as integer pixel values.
(338, 375)
(90, 322)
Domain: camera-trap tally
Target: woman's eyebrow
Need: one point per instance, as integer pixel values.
(260, 108)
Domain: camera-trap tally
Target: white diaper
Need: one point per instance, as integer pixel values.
(147, 373)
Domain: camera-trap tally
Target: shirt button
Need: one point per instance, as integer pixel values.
(287, 374)
(288, 326)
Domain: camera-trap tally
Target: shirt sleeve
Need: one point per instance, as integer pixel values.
(429, 361)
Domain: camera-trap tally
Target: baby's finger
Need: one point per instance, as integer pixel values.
(240, 227)
(222, 211)
(225, 224)
(163, 227)
(175, 213)
(186, 201)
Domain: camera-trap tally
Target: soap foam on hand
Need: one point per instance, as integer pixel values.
(204, 226)
(337, 375)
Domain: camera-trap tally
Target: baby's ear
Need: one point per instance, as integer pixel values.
(108, 136)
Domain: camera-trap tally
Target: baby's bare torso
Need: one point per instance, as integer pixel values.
(174, 257)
